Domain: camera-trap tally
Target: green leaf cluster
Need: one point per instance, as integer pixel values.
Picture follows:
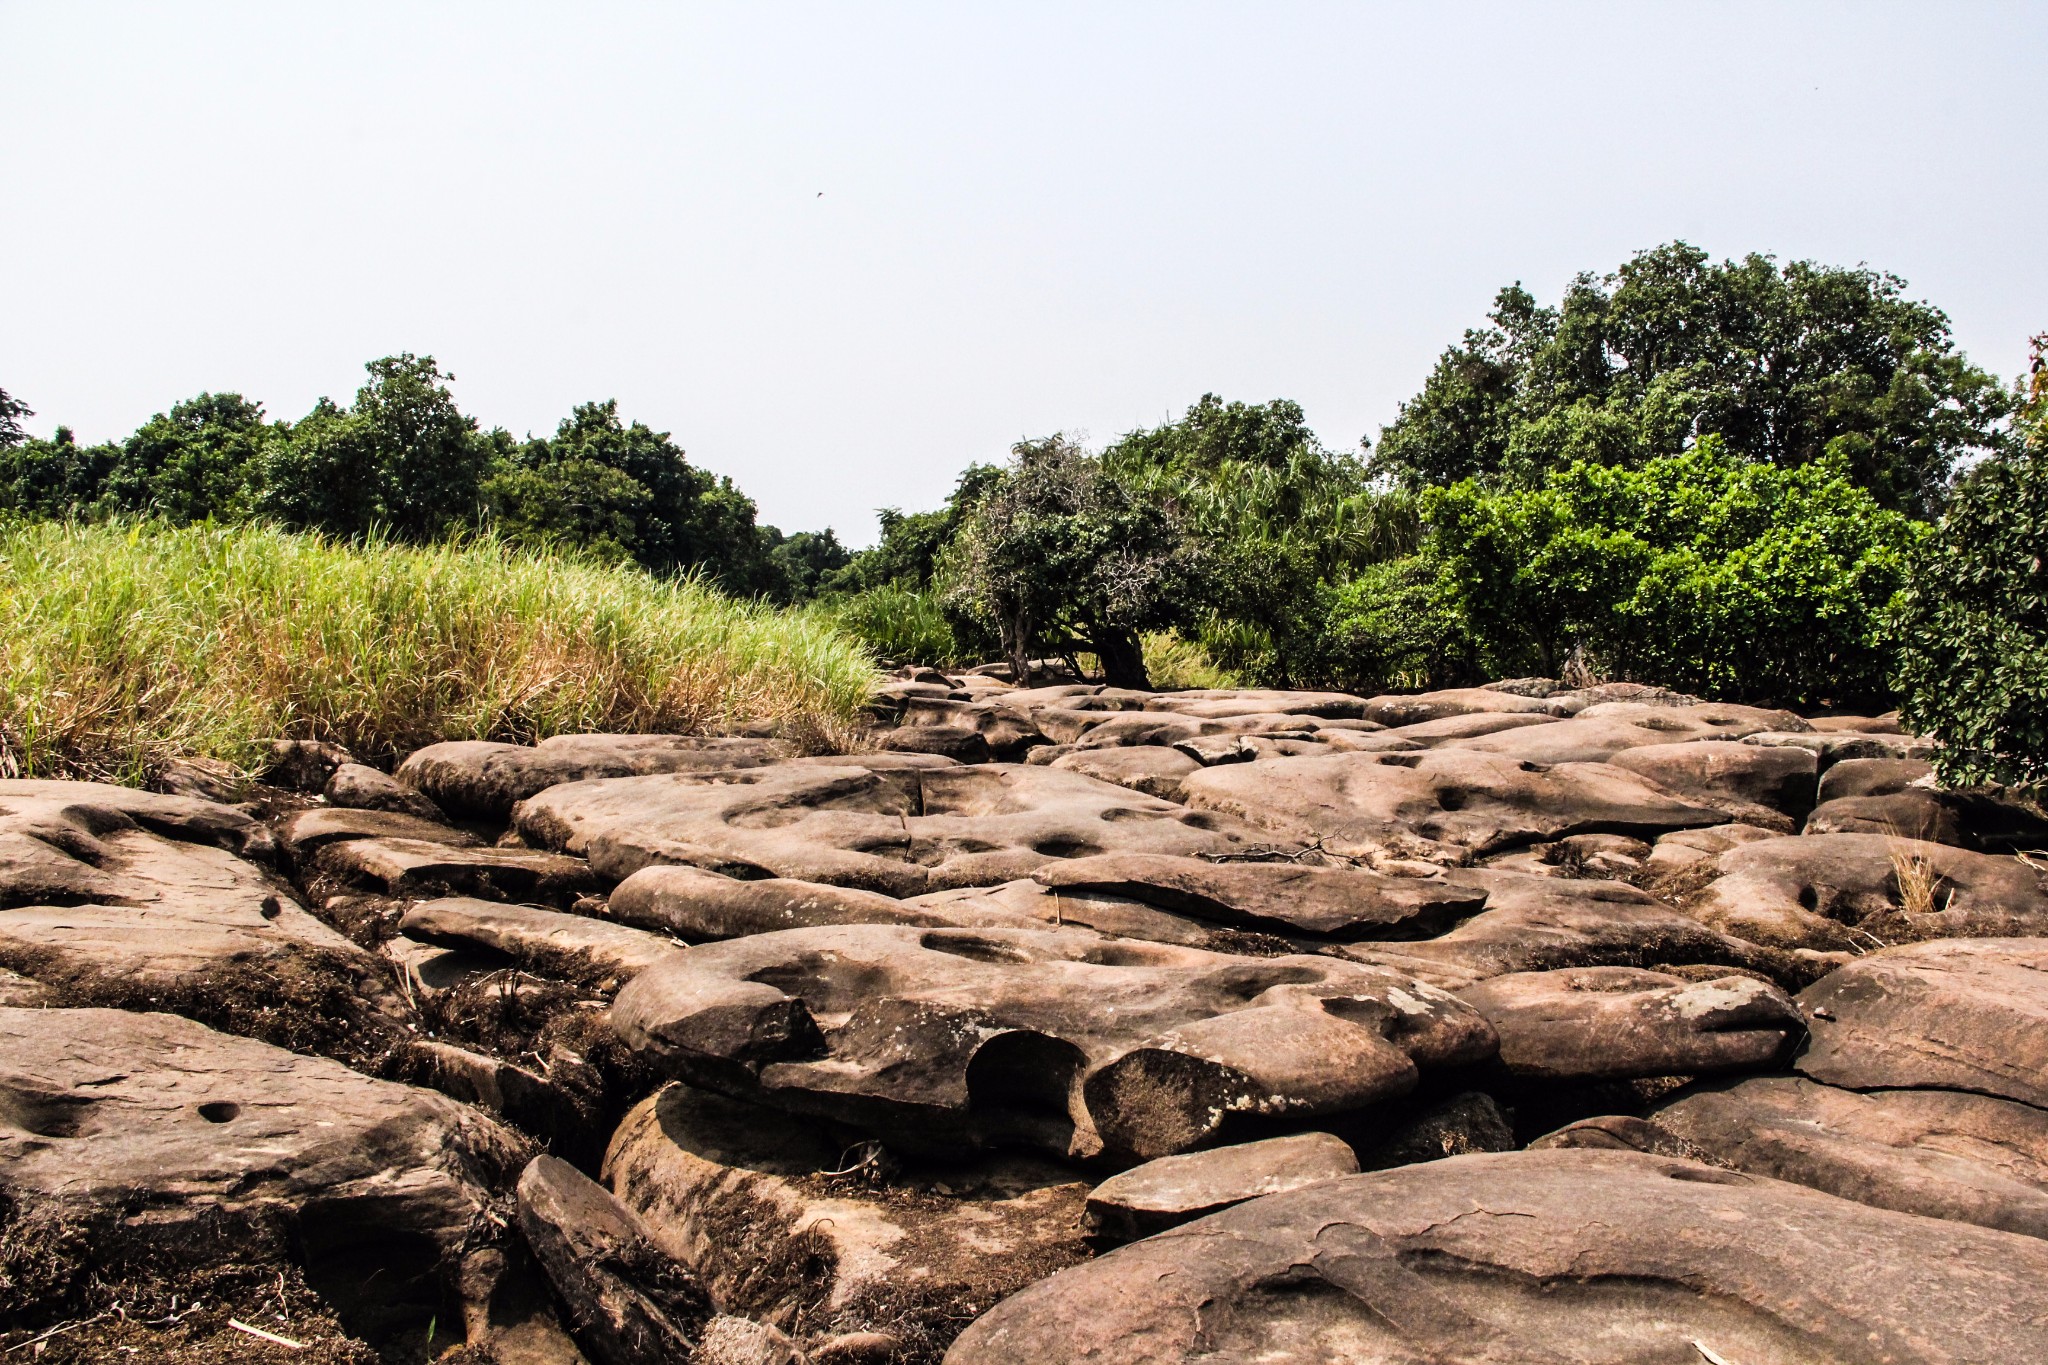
(1973, 670)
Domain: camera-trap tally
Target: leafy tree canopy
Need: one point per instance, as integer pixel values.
(1973, 670)
(1064, 557)
(12, 410)
(1787, 364)
(201, 460)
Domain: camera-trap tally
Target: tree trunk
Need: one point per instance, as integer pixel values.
(1123, 658)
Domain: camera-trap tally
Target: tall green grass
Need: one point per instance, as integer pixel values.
(906, 625)
(121, 645)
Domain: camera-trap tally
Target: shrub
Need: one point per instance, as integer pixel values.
(1703, 571)
(122, 644)
(1973, 670)
(1396, 626)
(1175, 665)
(904, 625)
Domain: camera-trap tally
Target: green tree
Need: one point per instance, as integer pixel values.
(1787, 363)
(626, 491)
(57, 478)
(1061, 556)
(12, 410)
(201, 460)
(1973, 671)
(1705, 571)
(402, 459)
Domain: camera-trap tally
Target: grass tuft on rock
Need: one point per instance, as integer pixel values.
(122, 645)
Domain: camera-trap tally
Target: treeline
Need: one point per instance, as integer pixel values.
(1714, 476)
(405, 463)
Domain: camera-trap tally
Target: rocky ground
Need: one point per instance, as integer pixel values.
(1513, 1024)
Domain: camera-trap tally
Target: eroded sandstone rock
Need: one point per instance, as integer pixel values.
(1342, 903)
(949, 1040)
(1446, 804)
(1605, 729)
(897, 832)
(1608, 1023)
(1172, 1190)
(1961, 1014)
(478, 779)
(1539, 1258)
(145, 1127)
(1854, 892)
(573, 947)
(1942, 1153)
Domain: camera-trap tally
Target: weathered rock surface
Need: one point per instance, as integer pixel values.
(1413, 709)
(1746, 780)
(1844, 892)
(422, 867)
(1538, 1258)
(1942, 1153)
(698, 906)
(131, 887)
(1915, 813)
(1178, 1189)
(1600, 732)
(356, 786)
(477, 779)
(1536, 923)
(1871, 777)
(1447, 804)
(949, 1040)
(574, 947)
(1686, 847)
(1956, 1015)
(897, 832)
(1341, 903)
(788, 1224)
(1154, 769)
(304, 833)
(627, 1301)
(144, 1126)
(962, 743)
(1835, 746)
(1607, 1023)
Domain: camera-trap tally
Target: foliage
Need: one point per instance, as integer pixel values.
(401, 460)
(1788, 364)
(1702, 571)
(901, 625)
(1064, 557)
(625, 492)
(1176, 665)
(53, 478)
(1396, 626)
(800, 566)
(200, 461)
(121, 643)
(912, 543)
(12, 410)
(1973, 670)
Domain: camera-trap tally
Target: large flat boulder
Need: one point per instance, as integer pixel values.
(1539, 1258)
(1613, 1023)
(898, 832)
(1942, 1153)
(828, 1238)
(950, 1040)
(1855, 892)
(701, 906)
(1752, 783)
(1172, 1190)
(1535, 923)
(114, 894)
(1226, 701)
(1341, 903)
(1445, 804)
(574, 947)
(1154, 769)
(1395, 709)
(1605, 729)
(482, 780)
(1964, 1014)
(432, 867)
(148, 1130)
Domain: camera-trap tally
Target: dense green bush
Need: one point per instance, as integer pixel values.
(1396, 626)
(1973, 669)
(1704, 571)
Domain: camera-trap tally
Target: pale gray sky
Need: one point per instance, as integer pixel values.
(1033, 217)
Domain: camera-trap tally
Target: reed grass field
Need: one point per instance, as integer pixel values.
(124, 644)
